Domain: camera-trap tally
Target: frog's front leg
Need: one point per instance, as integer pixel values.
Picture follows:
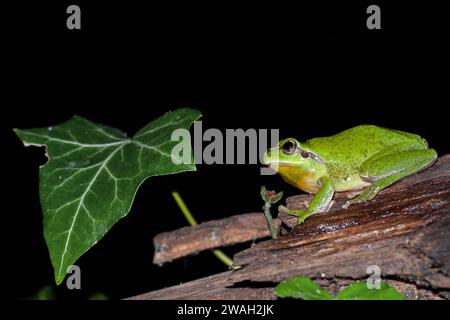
(388, 169)
(321, 202)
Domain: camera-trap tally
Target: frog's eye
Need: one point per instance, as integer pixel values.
(304, 154)
(289, 147)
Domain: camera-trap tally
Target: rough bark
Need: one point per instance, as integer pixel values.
(404, 231)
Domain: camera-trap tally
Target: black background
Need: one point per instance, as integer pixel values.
(309, 71)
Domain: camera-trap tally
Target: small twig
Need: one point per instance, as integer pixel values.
(270, 197)
(190, 218)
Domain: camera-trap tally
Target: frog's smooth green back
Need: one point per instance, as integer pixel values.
(352, 147)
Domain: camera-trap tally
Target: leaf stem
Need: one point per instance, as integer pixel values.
(223, 257)
(184, 209)
(190, 218)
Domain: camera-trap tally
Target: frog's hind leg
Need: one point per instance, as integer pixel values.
(390, 168)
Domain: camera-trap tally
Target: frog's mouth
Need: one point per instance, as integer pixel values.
(279, 164)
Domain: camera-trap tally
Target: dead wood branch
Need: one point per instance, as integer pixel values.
(209, 235)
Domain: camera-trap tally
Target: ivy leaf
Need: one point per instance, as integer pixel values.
(301, 288)
(359, 291)
(93, 174)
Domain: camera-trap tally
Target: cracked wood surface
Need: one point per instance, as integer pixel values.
(404, 231)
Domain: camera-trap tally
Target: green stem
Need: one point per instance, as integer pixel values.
(190, 218)
(184, 209)
(269, 219)
(223, 257)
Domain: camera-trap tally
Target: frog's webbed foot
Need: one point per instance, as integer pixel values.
(353, 194)
(364, 196)
(301, 214)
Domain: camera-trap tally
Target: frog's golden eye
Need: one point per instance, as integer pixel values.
(289, 147)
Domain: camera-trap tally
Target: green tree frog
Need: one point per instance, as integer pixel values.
(365, 159)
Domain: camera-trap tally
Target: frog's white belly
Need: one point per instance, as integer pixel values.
(353, 182)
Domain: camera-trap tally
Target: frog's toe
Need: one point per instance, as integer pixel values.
(332, 202)
(299, 213)
(282, 209)
(354, 194)
(301, 219)
(346, 205)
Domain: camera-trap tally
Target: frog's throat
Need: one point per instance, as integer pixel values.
(301, 179)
